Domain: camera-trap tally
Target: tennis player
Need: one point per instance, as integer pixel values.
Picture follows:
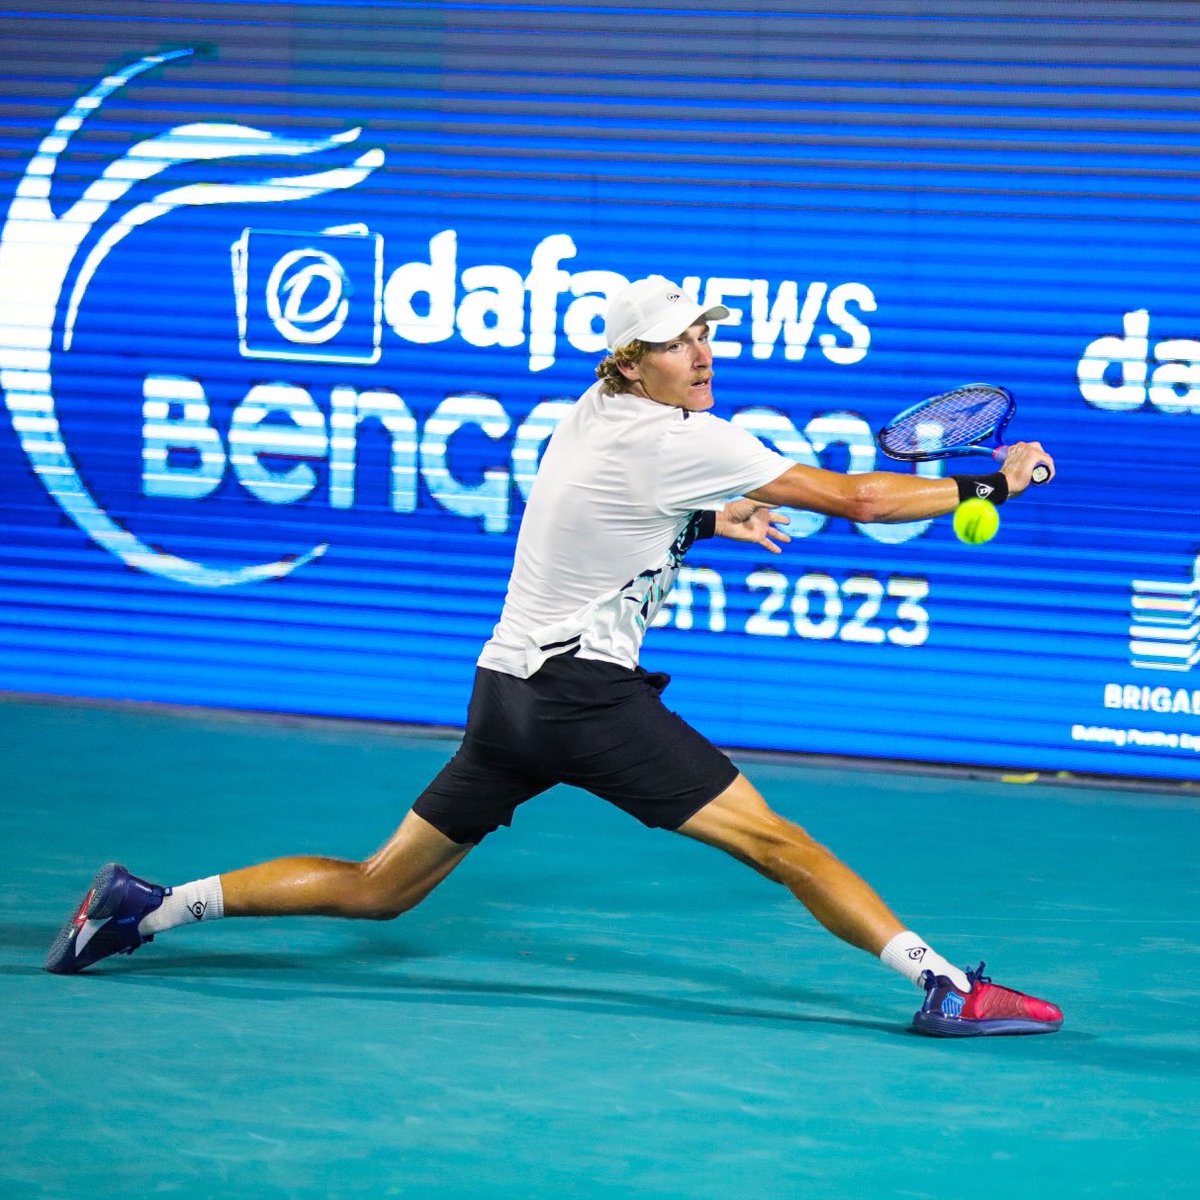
(631, 477)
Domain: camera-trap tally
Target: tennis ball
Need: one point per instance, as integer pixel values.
(976, 520)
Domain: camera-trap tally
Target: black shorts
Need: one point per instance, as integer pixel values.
(592, 724)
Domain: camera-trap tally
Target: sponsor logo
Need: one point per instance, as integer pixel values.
(1164, 629)
(198, 908)
(1164, 635)
(952, 1004)
(1114, 372)
(917, 953)
(1140, 698)
(322, 295)
(537, 308)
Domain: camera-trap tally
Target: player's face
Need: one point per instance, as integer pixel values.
(679, 372)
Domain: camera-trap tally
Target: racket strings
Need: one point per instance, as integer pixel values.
(955, 419)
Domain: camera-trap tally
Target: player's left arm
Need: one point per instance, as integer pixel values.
(745, 520)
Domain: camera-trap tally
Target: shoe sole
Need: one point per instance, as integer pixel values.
(935, 1025)
(100, 901)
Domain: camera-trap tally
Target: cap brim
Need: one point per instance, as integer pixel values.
(664, 331)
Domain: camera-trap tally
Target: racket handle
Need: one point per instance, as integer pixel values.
(1040, 473)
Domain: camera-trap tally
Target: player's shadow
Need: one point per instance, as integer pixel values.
(413, 989)
(244, 975)
(381, 971)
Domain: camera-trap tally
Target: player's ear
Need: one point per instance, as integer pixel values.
(629, 362)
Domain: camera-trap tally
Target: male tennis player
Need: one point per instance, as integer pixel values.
(634, 473)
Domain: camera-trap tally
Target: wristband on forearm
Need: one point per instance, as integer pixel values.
(993, 487)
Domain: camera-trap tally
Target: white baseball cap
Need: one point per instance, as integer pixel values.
(654, 310)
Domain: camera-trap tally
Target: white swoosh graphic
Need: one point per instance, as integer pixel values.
(38, 249)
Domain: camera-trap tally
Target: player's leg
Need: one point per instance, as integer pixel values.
(477, 791)
(626, 746)
(473, 794)
(617, 739)
(401, 873)
(121, 912)
(957, 1003)
(740, 822)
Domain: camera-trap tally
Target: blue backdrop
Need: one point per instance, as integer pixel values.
(292, 294)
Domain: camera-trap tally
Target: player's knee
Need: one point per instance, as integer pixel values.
(780, 847)
(387, 906)
(379, 899)
(382, 910)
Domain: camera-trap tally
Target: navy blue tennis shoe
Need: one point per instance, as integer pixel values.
(106, 922)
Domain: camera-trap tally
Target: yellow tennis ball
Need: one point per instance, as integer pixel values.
(976, 520)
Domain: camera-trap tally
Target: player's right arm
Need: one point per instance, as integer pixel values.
(885, 496)
(866, 498)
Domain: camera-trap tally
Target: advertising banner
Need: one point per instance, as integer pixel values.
(292, 295)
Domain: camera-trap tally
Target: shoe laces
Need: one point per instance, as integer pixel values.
(988, 1000)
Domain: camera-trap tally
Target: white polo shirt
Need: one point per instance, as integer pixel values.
(608, 519)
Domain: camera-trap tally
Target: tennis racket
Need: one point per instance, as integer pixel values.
(967, 420)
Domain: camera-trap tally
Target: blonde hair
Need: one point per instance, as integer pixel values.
(608, 370)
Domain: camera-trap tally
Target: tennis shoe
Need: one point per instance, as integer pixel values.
(106, 922)
(987, 1008)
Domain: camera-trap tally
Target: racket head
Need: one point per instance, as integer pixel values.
(948, 424)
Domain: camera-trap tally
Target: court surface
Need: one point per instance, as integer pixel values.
(585, 1008)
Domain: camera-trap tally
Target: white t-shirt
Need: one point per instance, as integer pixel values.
(608, 519)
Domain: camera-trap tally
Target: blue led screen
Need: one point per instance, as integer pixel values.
(291, 296)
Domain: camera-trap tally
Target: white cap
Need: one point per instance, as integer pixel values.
(654, 310)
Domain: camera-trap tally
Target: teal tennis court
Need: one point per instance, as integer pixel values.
(585, 1008)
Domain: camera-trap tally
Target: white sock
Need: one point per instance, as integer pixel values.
(912, 957)
(200, 900)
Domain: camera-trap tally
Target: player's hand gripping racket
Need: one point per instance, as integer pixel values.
(968, 420)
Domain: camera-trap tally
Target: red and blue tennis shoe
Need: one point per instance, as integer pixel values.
(986, 1009)
(106, 922)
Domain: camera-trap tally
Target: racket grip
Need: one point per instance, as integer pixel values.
(1040, 473)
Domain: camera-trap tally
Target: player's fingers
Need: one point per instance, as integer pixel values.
(1039, 452)
(1022, 460)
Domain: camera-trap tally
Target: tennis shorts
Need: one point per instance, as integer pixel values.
(594, 725)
